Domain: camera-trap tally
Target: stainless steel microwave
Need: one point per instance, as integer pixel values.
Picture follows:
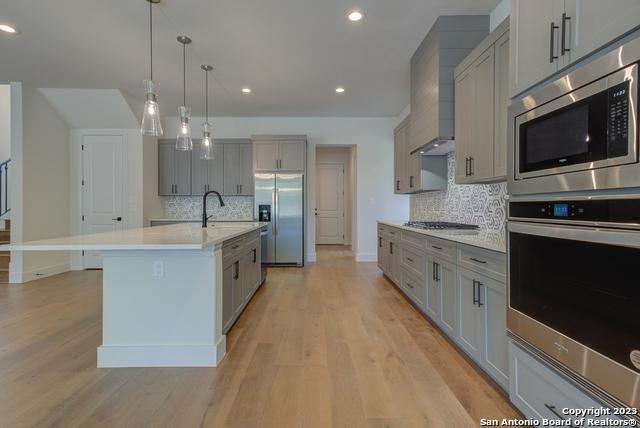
(581, 131)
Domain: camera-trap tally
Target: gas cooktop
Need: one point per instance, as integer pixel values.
(439, 225)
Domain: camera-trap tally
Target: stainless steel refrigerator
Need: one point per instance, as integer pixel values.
(279, 199)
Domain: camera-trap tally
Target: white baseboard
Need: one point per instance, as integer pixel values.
(311, 257)
(162, 355)
(366, 257)
(31, 275)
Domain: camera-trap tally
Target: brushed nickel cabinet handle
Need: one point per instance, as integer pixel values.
(478, 260)
(436, 247)
(563, 36)
(553, 28)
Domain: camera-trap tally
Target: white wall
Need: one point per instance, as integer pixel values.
(341, 155)
(40, 182)
(5, 122)
(373, 139)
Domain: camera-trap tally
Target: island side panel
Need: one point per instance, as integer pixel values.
(162, 308)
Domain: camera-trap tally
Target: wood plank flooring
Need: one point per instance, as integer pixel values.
(332, 344)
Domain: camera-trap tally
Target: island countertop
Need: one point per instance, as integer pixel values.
(183, 236)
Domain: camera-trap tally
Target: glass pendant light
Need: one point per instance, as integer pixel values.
(151, 125)
(183, 140)
(206, 148)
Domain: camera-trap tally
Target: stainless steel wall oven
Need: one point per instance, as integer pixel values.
(574, 287)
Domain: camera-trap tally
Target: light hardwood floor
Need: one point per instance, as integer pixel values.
(332, 344)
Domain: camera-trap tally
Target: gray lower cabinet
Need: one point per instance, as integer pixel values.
(460, 288)
(540, 392)
(206, 174)
(241, 276)
(238, 174)
(174, 170)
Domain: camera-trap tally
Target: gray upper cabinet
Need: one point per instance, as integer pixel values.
(206, 174)
(414, 173)
(481, 110)
(174, 170)
(432, 88)
(238, 174)
(279, 153)
(552, 34)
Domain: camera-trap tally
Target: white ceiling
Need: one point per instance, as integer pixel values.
(292, 53)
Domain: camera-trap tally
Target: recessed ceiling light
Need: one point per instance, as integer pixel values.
(355, 16)
(339, 89)
(421, 153)
(8, 29)
(246, 90)
(436, 145)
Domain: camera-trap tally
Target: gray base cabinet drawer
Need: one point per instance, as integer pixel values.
(413, 286)
(412, 239)
(483, 261)
(413, 261)
(542, 393)
(445, 250)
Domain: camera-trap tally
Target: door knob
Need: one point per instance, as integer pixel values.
(117, 219)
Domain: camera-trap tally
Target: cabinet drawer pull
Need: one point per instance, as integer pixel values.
(409, 259)
(478, 260)
(475, 299)
(436, 247)
(235, 247)
(563, 36)
(553, 410)
(390, 247)
(409, 285)
(553, 28)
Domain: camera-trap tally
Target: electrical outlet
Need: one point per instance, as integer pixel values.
(158, 268)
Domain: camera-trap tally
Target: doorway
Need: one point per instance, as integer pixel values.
(335, 188)
(103, 189)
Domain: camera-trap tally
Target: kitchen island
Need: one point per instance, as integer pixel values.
(163, 300)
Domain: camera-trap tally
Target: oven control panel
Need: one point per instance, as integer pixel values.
(618, 120)
(595, 210)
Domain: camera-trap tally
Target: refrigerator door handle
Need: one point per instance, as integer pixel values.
(274, 214)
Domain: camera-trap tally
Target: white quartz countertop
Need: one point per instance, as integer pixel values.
(183, 236)
(486, 239)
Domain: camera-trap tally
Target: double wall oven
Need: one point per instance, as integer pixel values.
(574, 225)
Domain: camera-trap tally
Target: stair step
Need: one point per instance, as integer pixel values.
(5, 235)
(4, 276)
(4, 262)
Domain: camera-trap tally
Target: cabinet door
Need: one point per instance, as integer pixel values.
(592, 24)
(246, 169)
(531, 48)
(183, 173)
(393, 261)
(399, 144)
(257, 266)
(448, 296)
(382, 253)
(248, 281)
(199, 171)
(469, 315)
(464, 94)
(266, 156)
(432, 304)
(166, 168)
(216, 169)
(493, 301)
(238, 292)
(231, 159)
(228, 312)
(481, 142)
(502, 104)
(292, 155)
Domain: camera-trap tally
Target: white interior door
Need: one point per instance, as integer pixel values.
(330, 204)
(102, 189)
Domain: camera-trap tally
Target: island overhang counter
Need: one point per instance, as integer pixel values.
(162, 291)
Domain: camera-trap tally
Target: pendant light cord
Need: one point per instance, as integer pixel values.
(184, 74)
(151, 38)
(206, 95)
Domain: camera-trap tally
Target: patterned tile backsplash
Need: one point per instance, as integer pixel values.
(481, 204)
(190, 207)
